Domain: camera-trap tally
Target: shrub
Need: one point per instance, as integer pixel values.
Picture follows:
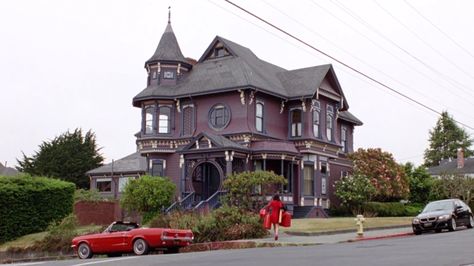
(391, 209)
(60, 235)
(88, 195)
(225, 223)
(29, 204)
(148, 195)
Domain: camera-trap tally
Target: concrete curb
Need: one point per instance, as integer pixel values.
(343, 231)
(379, 237)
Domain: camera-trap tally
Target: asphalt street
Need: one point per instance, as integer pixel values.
(447, 248)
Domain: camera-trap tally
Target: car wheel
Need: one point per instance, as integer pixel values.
(140, 247)
(471, 222)
(452, 224)
(84, 251)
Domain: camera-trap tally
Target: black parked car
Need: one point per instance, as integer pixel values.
(443, 214)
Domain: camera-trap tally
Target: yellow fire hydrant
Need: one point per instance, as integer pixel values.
(360, 223)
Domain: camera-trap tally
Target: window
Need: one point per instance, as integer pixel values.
(296, 123)
(323, 185)
(104, 184)
(259, 116)
(157, 167)
(149, 119)
(308, 189)
(188, 120)
(123, 181)
(219, 116)
(344, 139)
(329, 122)
(324, 168)
(316, 117)
(168, 74)
(154, 74)
(219, 52)
(164, 123)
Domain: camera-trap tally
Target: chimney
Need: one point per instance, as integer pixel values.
(460, 158)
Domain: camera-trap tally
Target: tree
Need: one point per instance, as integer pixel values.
(148, 195)
(67, 157)
(454, 186)
(386, 175)
(354, 191)
(445, 139)
(420, 181)
(244, 188)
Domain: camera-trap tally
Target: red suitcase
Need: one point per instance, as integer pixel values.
(267, 224)
(286, 219)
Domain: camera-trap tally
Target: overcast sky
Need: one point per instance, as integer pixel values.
(78, 64)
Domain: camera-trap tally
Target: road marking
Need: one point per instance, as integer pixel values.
(103, 261)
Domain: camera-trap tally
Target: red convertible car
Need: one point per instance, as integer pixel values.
(125, 237)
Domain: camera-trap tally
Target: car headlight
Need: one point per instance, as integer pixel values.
(444, 217)
(416, 221)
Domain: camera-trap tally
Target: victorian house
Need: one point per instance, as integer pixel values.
(230, 112)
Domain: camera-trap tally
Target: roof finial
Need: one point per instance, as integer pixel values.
(169, 14)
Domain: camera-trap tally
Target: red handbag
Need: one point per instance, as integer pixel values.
(267, 224)
(286, 219)
(263, 212)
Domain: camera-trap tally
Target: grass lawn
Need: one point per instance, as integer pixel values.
(28, 240)
(331, 224)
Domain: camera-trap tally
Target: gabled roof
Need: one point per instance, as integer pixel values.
(242, 69)
(217, 142)
(451, 167)
(168, 48)
(133, 163)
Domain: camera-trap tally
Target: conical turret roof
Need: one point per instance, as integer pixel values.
(168, 48)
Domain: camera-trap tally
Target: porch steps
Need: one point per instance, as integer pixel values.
(309, 212)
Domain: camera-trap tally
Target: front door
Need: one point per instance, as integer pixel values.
(206, 181)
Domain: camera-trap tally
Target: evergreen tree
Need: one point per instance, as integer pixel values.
(67, 157)
(445, 139)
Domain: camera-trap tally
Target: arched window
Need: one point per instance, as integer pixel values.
(164, 120)
(329, 122)
(344, 138)
(149, 119)
(259, 116)
(296, 122)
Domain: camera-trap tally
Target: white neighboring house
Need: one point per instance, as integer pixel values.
(460, 166)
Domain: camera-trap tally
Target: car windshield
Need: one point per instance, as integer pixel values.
(439, 206)
(119, 227)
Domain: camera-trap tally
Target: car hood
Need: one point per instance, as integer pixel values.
(432, 214)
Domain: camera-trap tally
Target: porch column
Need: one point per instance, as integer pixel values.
(182, 184)
(229, 157)
(282, 170)
(264, 157)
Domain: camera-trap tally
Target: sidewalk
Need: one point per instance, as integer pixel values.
(332, 237)
(336, 236)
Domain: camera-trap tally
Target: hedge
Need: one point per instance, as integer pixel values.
(29, 204)
(391, 209)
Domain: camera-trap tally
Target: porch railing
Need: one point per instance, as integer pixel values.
(185, 203)
(211, 202)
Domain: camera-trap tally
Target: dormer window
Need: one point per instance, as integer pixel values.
(219, 52)
(154, 74)
(168, 74)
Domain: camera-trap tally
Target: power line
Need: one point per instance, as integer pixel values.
(340, 62)
(439, 29)
(423, 41)
(429, 78)
(373, 29)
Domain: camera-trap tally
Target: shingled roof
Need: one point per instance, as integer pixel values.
(449, 167)
(242, 69)
(168, 48)
(132, 164)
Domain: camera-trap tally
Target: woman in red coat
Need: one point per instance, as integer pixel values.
(274, 208)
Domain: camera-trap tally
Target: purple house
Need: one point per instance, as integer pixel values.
(230, 112)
